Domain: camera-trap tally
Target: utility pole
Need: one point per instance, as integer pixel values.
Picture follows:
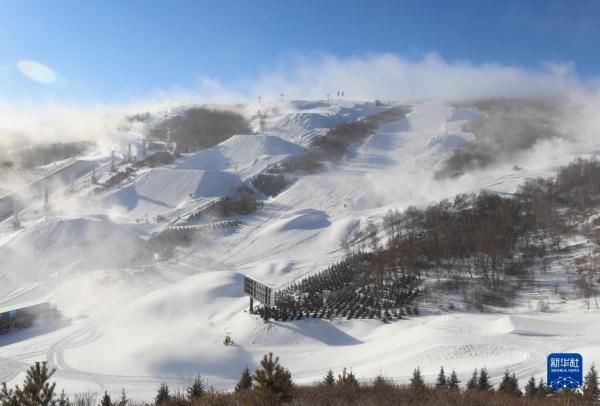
(129, 153)
(261, 121)
(94, 180)
(112, 161)
(46, 198)
(16, 222)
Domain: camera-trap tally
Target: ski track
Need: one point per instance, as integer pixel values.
(346, 194)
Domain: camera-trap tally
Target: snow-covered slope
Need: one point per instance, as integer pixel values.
(246, 155)
(135, 326)
(160, 190)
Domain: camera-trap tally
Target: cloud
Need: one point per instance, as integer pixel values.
(37, 71)
(364, 77)
(393, 77)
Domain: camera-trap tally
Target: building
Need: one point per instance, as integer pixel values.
(23, 316)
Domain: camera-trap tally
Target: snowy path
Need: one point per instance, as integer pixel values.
(138, 327)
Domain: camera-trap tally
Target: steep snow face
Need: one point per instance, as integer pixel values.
(246, 155)
(161, 190)
(311, 119)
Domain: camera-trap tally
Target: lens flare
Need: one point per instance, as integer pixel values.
(37, 71)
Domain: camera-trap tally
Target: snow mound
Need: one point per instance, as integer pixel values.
(302, 127)
(247, 153)
(186, 307)
(53, 242)
(163, 189)
(527, 326)
(308, 219)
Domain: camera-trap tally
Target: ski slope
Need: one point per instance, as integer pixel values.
(136, 326)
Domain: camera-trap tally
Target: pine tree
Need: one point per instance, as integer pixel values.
(441, 381)
(124, 401)
(196, 389)
(380, 383)
(37, 390)
(591, 391)
(273, 382)
(515, 385)
(453, 381)
(106, 401)
(510, 385)
(505, 383)
(473, 382)
(245, 382)
(347, 379)
(483, 383)
(542, 388)
(417, 384)
(329, 378)
(530, 389)
(63, 400)
(163, 395)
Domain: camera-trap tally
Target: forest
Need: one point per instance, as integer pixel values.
(482, 246)
(198, 128)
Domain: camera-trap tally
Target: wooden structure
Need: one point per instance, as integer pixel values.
(261, 292)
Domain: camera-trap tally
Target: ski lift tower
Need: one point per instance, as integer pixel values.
(46, 198)
(16, 221)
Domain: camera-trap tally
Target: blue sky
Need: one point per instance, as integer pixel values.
(112, 51)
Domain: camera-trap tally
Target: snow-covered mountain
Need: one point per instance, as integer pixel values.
(136, 321)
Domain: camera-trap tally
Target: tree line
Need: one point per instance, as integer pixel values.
(272, 384)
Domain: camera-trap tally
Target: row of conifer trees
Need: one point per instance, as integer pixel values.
(272, 384)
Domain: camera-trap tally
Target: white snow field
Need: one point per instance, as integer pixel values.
(134, 326)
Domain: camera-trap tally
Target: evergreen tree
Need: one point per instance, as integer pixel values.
(510, 385)
(515, 385)
(379, 382)
(472, 383)
(417, 384)
(542, 388)
(63, 400)
(441, 381)
(124, 401)
(245, 382)
(106, 401)
(329, 378)
(273, 382)
(591, 390)
(196, 389)
(453, 381)
(37, 390)
(531, 389)
(163, 395)
(347, 379)
(483, 383)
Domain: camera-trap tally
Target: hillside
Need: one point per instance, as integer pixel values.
(139, 320)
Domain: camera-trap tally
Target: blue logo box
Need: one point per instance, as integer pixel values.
(565, 370)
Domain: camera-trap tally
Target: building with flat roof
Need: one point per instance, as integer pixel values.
(24, 315)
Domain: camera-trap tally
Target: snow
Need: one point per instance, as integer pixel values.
(246, 155)
(136, 326)
(160, 190)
